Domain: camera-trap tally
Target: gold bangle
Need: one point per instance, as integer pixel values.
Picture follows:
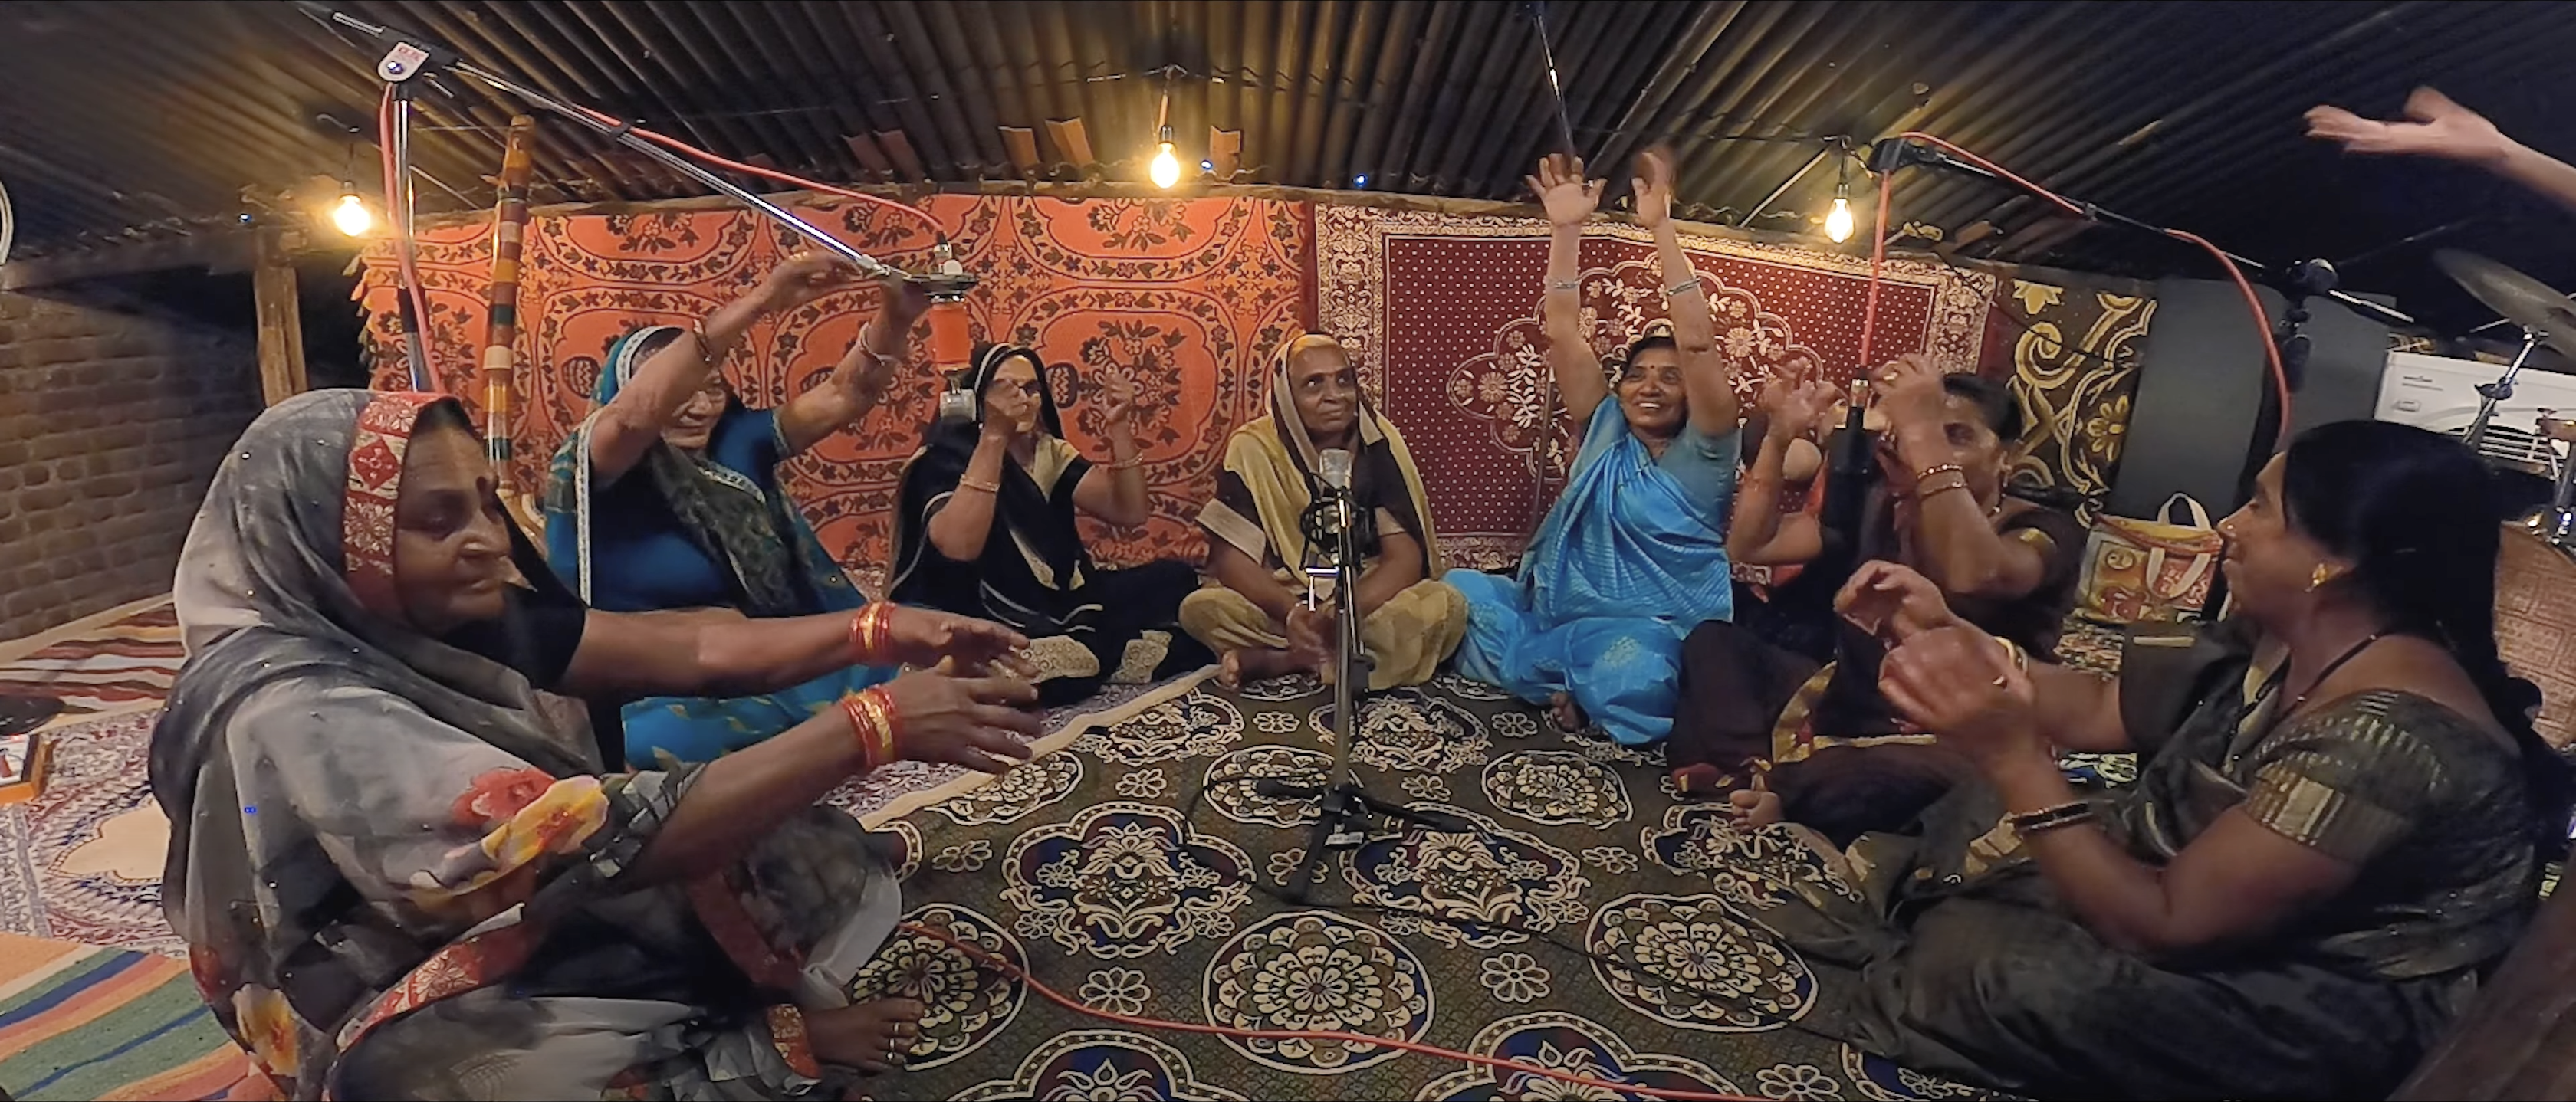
(1938, 469)
(1128, 464)
(870, 631)
(1927, 493)
(993, 487)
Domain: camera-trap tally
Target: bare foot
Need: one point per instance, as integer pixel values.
(873, 1037)
(1259, 664)
(1567, 715)
(1310, 642)
(1754, 807)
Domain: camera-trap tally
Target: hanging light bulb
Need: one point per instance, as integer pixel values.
(1838, 222)
(352, 215)
(1166, 169)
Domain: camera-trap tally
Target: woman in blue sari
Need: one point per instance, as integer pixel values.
(668, 497)
(1633, 556)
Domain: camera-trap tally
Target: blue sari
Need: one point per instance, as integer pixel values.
(1624, 566)
(682, 530)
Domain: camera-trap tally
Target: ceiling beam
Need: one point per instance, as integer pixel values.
(213, 252)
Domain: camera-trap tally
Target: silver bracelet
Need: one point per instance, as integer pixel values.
(1691, 284)
(1565, 284)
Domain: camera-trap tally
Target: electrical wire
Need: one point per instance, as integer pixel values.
(2253, 303)
(1877, 260)
(398, 212)
(986, 958)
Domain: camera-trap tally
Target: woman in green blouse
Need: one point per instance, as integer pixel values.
(2336, 826)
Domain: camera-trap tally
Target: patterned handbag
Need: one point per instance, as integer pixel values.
(2144, 570)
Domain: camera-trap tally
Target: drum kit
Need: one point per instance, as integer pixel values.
(2545, 317)
(2536, 574)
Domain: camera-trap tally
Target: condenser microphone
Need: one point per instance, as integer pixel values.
(1336, 464)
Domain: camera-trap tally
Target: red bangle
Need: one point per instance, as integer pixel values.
(872, 722)
(868, 635)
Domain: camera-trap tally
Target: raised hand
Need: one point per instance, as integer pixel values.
(801, 279)
(923, 637)
(1654, 187)
(1561, 188)
(904, 299)
(1963, 686)
(1117, 402)
(977, 722)
(2434, 126)
(1893, 602)
(1909, 392)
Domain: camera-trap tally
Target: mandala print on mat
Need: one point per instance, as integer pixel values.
(97, 863)
(969, 1003)
(1193, 725)
(1513, 725)
(1232, 789)
(1557, 788)
(909, 837)
(1468, 688)
(1575, 1046)
(1101, 1065)
(1274, 690)
(1696, 966)
(1124, 880)
(1881, 1080)
(1756, 868)
(1016, 793)
(1594, 745)
(1408, 730)
(1473, 882)
(1313, 970)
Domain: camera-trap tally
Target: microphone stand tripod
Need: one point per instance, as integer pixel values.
(1342, 817)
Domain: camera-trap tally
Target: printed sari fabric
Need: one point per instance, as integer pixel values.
(709, 529)
(1261, 499)
(1625, 565)
(1972, 967)
(1089, 624)
(375, 836)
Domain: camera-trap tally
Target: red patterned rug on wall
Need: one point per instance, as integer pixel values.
(1184, 297)
(1444, 309)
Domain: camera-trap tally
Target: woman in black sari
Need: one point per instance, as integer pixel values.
(986, 523)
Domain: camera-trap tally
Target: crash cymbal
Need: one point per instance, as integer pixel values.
(2522, 300)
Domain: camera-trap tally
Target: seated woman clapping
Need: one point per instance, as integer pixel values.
(985, 525)
(2335, 828)
(668, 497)
(1255, 612)
(404, 870)
(1785, 692)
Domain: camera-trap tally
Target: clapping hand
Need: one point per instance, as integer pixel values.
(2434, 126)
(1910, 392)
(923, 637)
(1963, 686)
(1893, 603)
(1654, 187)
(1561, 188)
(981, 723)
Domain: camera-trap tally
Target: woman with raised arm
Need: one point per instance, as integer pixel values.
(2335, 830)
(2436, 126)
(404, 870)
(985, 525)
(668, 497)
(1633, 555)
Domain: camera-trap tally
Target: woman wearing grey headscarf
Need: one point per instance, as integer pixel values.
(401, 872)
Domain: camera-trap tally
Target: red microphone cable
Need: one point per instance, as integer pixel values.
(982, 956)
(2253, 303)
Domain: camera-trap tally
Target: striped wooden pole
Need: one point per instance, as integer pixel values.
(501, 328)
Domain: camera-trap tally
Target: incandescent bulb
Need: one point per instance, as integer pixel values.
(352, 215)
(1838, 222)
(1166, 169)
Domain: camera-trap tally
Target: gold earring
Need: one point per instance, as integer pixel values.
(2318, 580)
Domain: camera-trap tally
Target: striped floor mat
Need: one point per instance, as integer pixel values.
(127, 663)
(81, 1022)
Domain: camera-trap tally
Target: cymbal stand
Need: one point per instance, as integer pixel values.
(2493, 394)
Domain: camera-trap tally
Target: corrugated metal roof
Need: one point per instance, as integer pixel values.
(124, 120)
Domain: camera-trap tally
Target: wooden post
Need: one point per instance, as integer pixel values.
(281, 321)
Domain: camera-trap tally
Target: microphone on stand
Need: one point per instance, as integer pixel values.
(1336, 473)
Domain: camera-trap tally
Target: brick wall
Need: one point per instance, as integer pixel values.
(113, 417)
